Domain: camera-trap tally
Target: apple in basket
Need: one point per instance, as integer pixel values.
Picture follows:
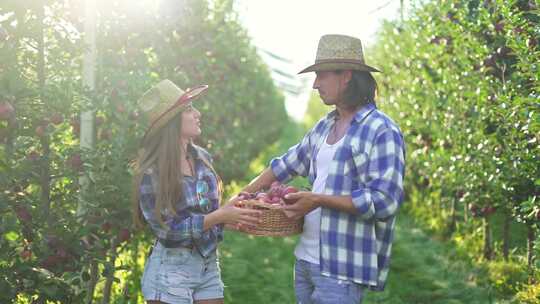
(274, 196)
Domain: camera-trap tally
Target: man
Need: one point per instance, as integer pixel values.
(355, 159)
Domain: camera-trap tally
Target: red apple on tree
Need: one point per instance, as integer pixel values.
(57, 119)
(6, 111)
(23, 214)
(123, 235)
(26, 254)
(499, 26)
(40, 131)
(32, 156)
(75, 162)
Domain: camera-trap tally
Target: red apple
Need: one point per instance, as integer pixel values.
(62, 253)
(490, 61)
(105, 134)
(120, 108)
(532, 42)
(244, 195)
(99, 121)
(57, 119)
(75, 162)
(33, 156)
(40, 131)
(106, 227)
(123, 235)
(275, 184)
(23, 214)
(114, 93)
(26, 254)
(504, 51)
(499, 26)
(6, 111)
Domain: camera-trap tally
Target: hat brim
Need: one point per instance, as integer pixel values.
(178, 107)
(338, 66)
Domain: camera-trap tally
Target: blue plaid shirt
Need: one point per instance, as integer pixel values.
(369, 166)
(185, 228)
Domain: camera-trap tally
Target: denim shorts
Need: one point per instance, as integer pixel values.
(181, 275)
(311, 287)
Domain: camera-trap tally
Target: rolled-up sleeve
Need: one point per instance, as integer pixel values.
(382, 194)
(295, 162)
(175, 228)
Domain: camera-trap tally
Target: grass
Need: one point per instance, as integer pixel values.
(260, 270)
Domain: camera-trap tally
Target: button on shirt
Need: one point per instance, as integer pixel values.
(369, 166)
(185, 227)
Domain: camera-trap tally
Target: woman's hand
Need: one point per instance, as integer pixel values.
(230, 214)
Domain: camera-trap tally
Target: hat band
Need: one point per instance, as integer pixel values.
(353, 61)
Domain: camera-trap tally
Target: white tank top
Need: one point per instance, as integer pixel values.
(308, 247)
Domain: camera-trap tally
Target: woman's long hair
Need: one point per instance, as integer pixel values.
(162, 154)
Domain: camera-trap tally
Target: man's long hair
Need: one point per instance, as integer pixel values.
(361, 90)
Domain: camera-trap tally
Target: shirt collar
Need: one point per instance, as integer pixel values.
(193, 151)
(362, 113)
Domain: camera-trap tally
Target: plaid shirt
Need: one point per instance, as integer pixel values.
(185, 228)
(369, 166)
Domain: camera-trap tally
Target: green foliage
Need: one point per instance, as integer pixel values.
(57, 240)
(529, 294)
(461, 79)
(316, 110)
(506, 276)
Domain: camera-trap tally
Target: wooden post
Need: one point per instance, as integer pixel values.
(87, 118)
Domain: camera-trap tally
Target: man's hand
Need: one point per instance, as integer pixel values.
(304, 202)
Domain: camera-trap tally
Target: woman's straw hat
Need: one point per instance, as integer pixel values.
(163, 102)
(339, 52)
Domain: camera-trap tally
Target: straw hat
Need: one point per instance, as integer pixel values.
(163, 102)
(339, 52)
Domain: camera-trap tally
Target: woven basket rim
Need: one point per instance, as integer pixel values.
(294, 226)
(253, 202)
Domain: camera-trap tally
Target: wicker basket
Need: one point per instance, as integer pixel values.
(274, 221)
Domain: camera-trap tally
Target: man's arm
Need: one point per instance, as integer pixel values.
(307, 201)
(264, 180)
(381, 195)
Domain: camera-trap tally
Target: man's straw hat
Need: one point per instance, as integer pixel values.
(339, 52)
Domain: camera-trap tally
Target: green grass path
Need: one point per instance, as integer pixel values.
(260, 270)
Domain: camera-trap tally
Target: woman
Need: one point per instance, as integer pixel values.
(177, 192)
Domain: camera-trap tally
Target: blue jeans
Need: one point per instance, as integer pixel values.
(311, 287)
(181, 276)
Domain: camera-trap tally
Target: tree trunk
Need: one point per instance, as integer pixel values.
(530, 248)
(452, 225)
(488, 248)
(110, 276)
(91, 287)
(506, 236)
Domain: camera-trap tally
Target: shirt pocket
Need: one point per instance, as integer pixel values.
(359, 163)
